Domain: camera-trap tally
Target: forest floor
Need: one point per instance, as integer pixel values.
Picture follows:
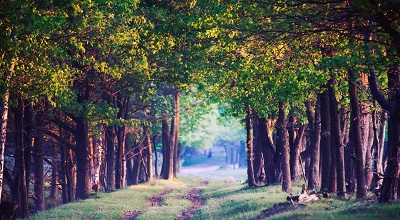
(208, 191)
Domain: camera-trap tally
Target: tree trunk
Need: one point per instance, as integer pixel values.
(165, 169)
(155, 155)
(379, 142)
(110, 139)
(54, 173)
(336, 138)
(38, 160)
(283, 148)
(5, 93)
(315, 138)
(20, 193)
(82, 158)
(28, 138)
(177, 97)
(71, 175)
(129, 161)
(63, 172)
(294, 161)
(390, 185)
(325, 141)
(119, 162)
(249, 142)
(123, 105)
(356, 136)
(149, 152)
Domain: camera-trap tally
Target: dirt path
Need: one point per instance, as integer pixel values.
(194, 196)
(156, 200)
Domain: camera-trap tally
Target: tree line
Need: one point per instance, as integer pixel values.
(317, 83)
(88, 88)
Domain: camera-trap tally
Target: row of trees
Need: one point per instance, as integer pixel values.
(316, 82)
(90, 84)
(87, 89)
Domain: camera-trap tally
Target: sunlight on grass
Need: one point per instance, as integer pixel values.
(233, 200)
(114, 205)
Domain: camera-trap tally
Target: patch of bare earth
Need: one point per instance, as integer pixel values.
(279, 208)
(197, 202)
(130, 215)
(156, 200)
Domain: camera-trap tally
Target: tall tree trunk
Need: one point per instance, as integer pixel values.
(5, 94)
(390, 185)
(356, 136)
(336, 138)
(28, 138)
(176, 162)
(110, 177)
(249, 142)
(379, 143)
(38, 159)
(63, 172)
(155, 155)
(149, 152)
(268, 149)
(71, 175)
(119, 162)
(129, 162)
(294, 161)
(19, 191)
(325, 140)
(165, 169)
(123, 105)
(315, 138)
(82, 158)
(54, 173)
(283, 148)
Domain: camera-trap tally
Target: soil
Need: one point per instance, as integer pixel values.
(197, 202)
(279, 208)
(130, 215)
(194, 196)
(157, 199)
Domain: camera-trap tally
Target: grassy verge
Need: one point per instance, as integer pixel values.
(224, 200)
(236, 201)
(134, 198)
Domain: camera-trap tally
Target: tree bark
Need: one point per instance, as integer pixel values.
(82, 158)
(5, 92)
(356, 136)
(20, 193)
(176, 162)
(325, 140)
(149, 152)
(315, 138)
(283, 148)
(336, 138)
(155, 155)
(38, 159)
(390, 185)
(249, 142)
(110, 139)
(54, 173)
(165, 169)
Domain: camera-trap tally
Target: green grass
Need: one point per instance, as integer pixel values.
(114, 205)
(224, 201)
(237, 201)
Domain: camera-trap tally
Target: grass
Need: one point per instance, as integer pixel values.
(232, 200)
(237, 201)
(134, 198)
